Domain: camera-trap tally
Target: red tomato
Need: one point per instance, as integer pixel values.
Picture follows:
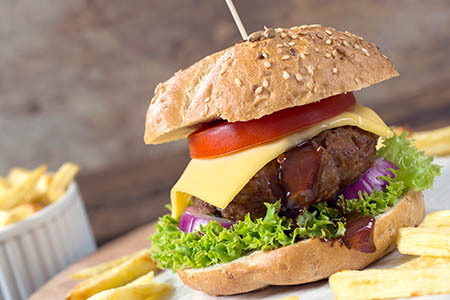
(214, 139)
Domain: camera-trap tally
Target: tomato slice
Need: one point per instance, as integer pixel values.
(218, 139)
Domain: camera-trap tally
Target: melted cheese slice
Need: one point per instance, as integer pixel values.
(218, 180)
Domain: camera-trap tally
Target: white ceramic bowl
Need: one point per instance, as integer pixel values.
(37, 248)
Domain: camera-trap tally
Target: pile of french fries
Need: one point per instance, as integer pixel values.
(428, 274)
(433, 142)
(24, 192)
(128, 277)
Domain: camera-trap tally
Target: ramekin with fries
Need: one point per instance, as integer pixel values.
(43, 228)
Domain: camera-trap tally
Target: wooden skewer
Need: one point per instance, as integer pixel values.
(236, 18)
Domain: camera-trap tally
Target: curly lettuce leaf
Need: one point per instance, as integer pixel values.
(174, 249)
(416, 172)
(320, 221)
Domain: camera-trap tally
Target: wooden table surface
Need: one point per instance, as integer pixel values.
(61, 284)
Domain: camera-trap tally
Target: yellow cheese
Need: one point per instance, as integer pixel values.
(218, 180)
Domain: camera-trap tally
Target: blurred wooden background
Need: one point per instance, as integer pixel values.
(76, 78)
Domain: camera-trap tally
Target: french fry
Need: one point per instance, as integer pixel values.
(118, 276)
(145, 291)
(424, 241)
(19, 213)
(98, 269)
(433, 142)
(423, 262)
(393, 283)
(61, 180)
(147, 278)
(5, 218)
(437, 219)
(290, 298)
(23, 192)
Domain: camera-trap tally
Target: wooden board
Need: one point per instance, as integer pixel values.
(58, 287)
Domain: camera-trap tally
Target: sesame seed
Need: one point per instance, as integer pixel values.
(346, 44)
(279, 51)
(303, 32)
(278, 30)
(327, 55)
(328, 42)
(329, 32)
(298, 76)
(291, 44)
(205, 110)
(207, 99)
(259, 90)
(255, 36)
(238, 82)
(334, 70)
(267, 64)
(283, 35)
(223, 71)
(309, 69)
(316, 50)
(384, 56)
(269, 33)
(319, 35)
(348, 34)
(366, 53)
(253, 45)
(293, 28)
(356, 46)
(316, 89)
(309, 85)
(294, 36)
(356, 80)
(265, 83)
(340, 50)
(285, 57)
(334, 53)
(260, 98)
(286, 75)
(280, 45)
(302, 55)
(219, 93)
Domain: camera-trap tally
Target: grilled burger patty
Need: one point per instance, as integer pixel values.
(311, 172)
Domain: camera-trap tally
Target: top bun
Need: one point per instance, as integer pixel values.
(273, 70)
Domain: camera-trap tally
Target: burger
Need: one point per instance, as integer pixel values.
(291, 179)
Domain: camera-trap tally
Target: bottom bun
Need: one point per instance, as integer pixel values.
(306, 261)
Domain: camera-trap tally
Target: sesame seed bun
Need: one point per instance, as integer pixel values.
(306, 261)
(273, 70)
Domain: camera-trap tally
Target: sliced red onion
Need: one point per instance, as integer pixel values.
(369, 180)
(191, 220)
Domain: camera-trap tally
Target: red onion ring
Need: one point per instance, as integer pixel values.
(369, 180)
(191, 220)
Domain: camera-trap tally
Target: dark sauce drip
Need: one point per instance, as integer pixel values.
(298, 173)
(359, 234)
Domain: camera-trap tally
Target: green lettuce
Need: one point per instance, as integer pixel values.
(174, 249)
(416, 172)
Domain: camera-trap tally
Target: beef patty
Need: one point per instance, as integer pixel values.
(310, 172)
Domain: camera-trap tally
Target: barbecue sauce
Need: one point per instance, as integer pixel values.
(359, 234)
(298, 172)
